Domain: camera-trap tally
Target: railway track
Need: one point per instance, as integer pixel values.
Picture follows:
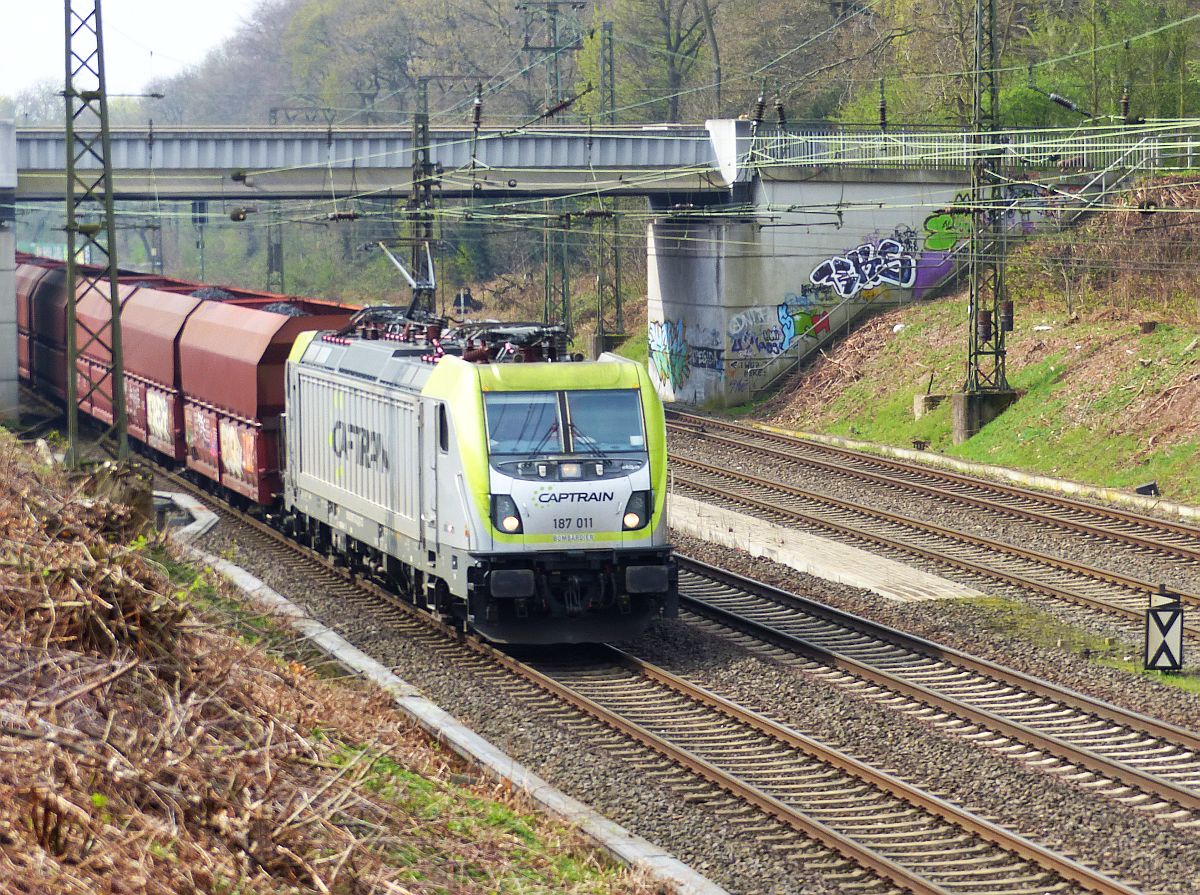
(1135, 759)
(1052, 576)
(916, 841)
(870, 832)
(1141, 532)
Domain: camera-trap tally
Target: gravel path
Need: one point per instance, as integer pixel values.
(578, 759)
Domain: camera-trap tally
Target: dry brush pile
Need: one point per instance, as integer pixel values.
(1140, 256)
(144, 750)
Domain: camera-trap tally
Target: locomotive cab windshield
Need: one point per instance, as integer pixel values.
(595, 422)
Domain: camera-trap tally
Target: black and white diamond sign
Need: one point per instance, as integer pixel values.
(1164, 633)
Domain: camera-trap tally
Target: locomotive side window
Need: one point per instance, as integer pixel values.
(443, 429)
(523, 423)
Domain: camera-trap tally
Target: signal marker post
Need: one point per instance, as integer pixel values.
(1164, 632)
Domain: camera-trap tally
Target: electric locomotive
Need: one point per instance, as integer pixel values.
(525, 500)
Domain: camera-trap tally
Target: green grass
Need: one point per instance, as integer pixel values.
(461, 837)
(636, 347)
(1017, 620)
(1063, 426)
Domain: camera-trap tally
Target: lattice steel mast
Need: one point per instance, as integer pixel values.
(91, 228)
(989, 313)
(420, 209)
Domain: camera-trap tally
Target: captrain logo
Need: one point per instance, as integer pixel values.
(363, 445)
(549, 495)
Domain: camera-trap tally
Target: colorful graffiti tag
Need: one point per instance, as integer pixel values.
(755, 332)
(867, 266)
(947, 227)
(704, 357)
(668, 349)
(796, 323)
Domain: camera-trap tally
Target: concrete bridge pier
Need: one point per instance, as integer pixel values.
(736, 299)
(9, 406)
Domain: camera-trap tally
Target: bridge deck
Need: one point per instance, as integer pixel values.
(313, 161)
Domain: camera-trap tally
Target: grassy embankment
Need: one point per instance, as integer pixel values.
(1103, 403)
(149, 749)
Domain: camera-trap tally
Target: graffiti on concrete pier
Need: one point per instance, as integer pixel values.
(867, 266)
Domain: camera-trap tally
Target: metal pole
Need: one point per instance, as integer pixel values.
(275, 279)
(546, 261)
(988, 313)
(420, 206)
(555, 69)
(601, 279)
(608, 73)
(619, 320)
(89, 195)
(564, 278)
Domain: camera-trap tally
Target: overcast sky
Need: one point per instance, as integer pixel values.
(143, 39)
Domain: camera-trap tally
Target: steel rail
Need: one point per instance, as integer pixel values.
(1133, 540)
(927, 528)
(965, 820)
(1064, 565)
(1041, 497)
(1081, 701)
(772, 806)
(1047, 743)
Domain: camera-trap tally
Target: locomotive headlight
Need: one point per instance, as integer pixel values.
(637, 511)
(505, 515)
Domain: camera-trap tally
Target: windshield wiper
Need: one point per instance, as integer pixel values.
(553, 430)
(578, 438)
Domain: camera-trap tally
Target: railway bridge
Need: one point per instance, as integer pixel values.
(761, 245)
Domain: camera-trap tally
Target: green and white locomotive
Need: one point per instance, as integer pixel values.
(527, 500)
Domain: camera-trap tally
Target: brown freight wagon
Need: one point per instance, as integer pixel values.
(42, 326)
(203, 378)
(232, 357)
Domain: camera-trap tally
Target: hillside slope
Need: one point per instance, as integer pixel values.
(150, 749)
(1104, 403)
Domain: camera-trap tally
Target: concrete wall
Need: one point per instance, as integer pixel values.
(736, 301)
(733, 302)
(8, 299)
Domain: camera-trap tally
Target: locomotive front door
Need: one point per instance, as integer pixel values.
(432, 417)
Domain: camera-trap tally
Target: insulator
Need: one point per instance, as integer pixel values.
(780, 112)
(1006, 316)
(1125, 102)
(882, 107)
(478, 113)
(760, 106)
(1064, 102)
